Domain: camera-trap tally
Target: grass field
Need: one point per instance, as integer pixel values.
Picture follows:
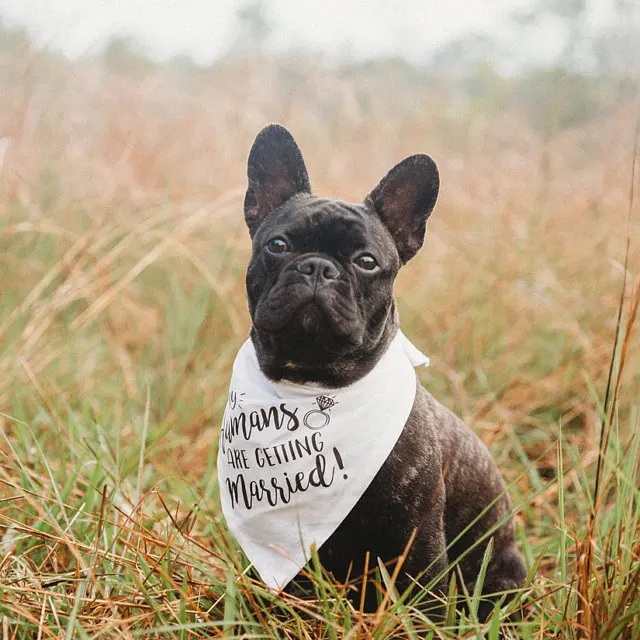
(122, 253)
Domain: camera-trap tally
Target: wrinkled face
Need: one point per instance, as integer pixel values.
(321, 273)
(320, 278)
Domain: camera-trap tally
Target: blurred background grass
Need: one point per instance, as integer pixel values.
(122, 255)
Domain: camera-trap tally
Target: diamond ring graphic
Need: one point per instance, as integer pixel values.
(319, 418)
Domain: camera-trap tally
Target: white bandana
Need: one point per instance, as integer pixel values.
(294, 459)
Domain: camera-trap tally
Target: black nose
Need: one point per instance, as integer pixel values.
(319, 267)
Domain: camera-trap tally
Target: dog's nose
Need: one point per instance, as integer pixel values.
(319, 267)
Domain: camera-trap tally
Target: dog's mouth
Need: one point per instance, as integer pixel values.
(325, 314)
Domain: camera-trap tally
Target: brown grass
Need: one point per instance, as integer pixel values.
(122, 250)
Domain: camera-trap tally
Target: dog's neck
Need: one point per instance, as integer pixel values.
(323, 369)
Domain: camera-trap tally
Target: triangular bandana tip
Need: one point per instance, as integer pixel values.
(295, 459)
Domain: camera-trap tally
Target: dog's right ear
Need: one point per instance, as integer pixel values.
(276, 172)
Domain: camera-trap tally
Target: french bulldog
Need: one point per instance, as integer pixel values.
(320, 293)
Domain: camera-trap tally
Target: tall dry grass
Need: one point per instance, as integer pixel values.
(122, 251)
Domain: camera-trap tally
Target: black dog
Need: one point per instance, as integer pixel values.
(320, 290)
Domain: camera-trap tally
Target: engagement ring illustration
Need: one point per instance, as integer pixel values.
(319, 418)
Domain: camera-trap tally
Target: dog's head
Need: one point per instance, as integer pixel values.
(320, 279)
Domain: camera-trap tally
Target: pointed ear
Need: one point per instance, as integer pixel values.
(404, 199)
(276, 173)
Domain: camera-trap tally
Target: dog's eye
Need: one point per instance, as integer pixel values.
(366, 262)
(278, 245)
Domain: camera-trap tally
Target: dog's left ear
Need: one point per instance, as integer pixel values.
(404, 199)
(276, 173)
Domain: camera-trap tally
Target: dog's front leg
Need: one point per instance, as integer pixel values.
(424, 574)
